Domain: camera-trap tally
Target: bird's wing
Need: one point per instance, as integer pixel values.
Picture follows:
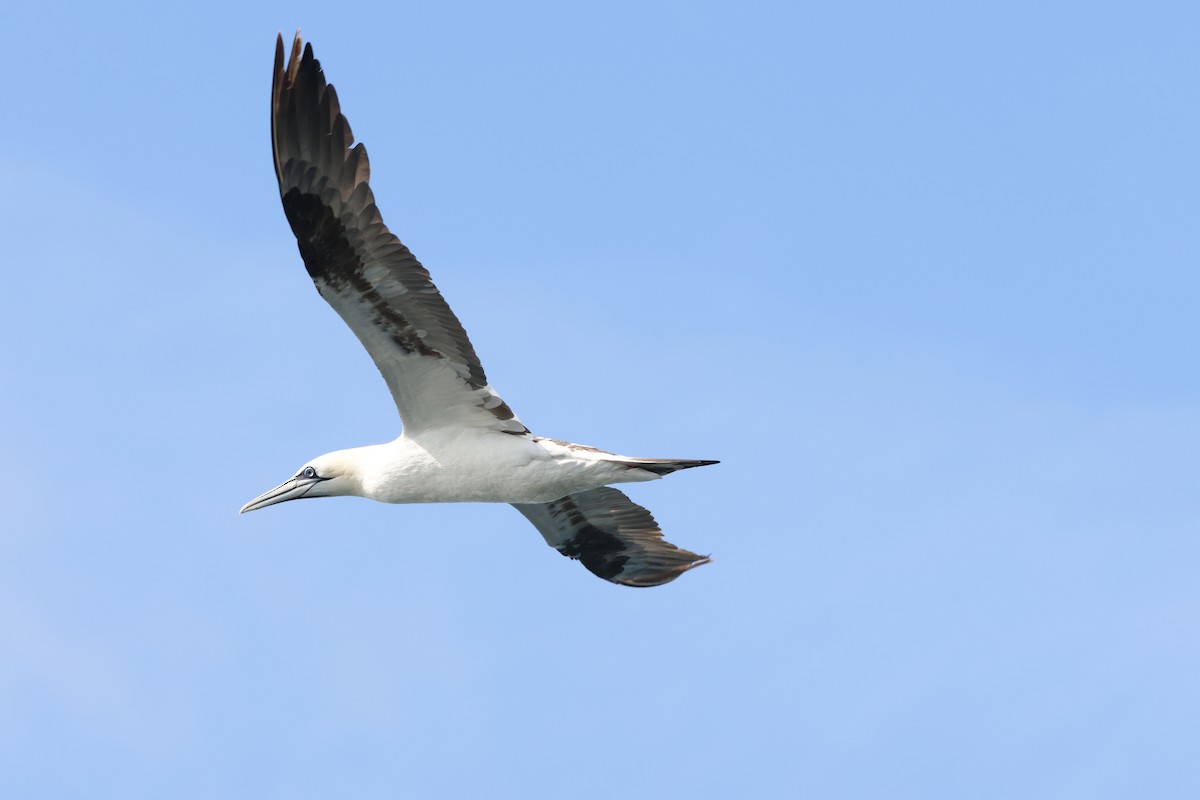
(613, 536)
(363, 271)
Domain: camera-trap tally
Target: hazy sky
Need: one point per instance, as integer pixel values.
(922, 275)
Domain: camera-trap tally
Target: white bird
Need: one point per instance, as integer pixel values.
(460, 441)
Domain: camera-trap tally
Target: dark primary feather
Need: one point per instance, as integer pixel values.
(612, 536)
(370, 278)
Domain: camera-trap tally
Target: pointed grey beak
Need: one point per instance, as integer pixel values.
(291, 489)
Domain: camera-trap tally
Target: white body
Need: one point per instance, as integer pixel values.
(480, 466)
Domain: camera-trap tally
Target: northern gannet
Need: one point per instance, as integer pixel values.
(460, 442)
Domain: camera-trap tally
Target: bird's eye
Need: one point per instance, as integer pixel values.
(309, 472)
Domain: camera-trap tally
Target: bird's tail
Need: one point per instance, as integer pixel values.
(664, 466)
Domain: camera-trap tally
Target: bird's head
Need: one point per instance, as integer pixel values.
(329, 475)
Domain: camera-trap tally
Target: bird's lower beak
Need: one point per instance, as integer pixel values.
(291, 489)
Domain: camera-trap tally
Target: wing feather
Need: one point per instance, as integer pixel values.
(612, 536)
(367, 274)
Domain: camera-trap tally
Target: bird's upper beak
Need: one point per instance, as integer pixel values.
(291, 489)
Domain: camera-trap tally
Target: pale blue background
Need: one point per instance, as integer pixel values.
(923, 276)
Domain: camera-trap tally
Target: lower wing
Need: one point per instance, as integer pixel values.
(613, 536)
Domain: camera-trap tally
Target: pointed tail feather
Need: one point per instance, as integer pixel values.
(665, 466)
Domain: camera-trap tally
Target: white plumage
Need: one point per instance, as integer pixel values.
(461, 442)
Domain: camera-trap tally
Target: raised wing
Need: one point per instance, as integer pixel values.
(613, 536)
(363, 271)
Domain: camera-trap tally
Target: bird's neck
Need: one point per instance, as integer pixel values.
(395, 472)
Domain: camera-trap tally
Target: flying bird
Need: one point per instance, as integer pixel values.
(460, 441)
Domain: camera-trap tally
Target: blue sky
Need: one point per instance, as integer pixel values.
(923, 276)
